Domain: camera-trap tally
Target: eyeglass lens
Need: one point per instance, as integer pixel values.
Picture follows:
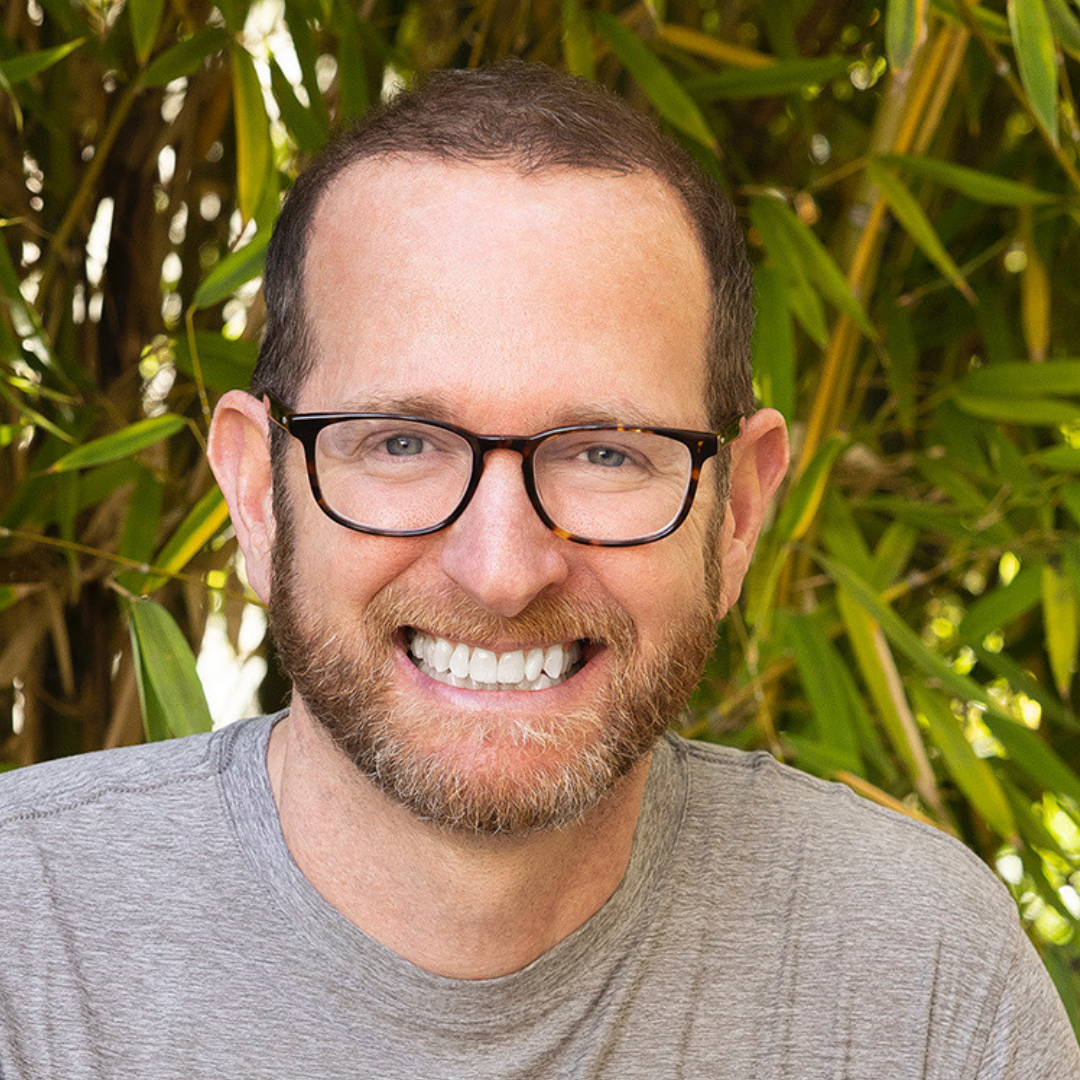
(400, 475)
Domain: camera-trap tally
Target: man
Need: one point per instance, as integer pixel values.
(478, 485)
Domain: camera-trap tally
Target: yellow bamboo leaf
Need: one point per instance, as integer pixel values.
(1034, 295)
(693, 41)
(1062, 626)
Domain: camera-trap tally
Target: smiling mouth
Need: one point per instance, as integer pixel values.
(473, 668)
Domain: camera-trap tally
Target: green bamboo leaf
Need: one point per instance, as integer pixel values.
(822, 759)
(786, 77)
(1060, 458)
(983, 187)
(773, 217)
(120, 444)
(226, 364)
(905, 28)
(253, 149)
(1036, 58)
(973, 775)
(1023, 379)
(996, 609)
(878, 670)
(301, 121)
(1032, 412)
(352, 71)
(143, 517)
(577, 46)
(235, 270)
(1033, 756)
(906, 639)
(1062, 627)
(801, 505)
(826, 682)
(1065, 25)
(206, 518)
(169, 689)
(906, 209)
(772, 344)
(20, 68)
(1070, 497)
(145, 20)
(185, 58)
(307, 53)
(893, 553)
(661, 87)
(903, 364)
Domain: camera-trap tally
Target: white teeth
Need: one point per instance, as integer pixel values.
(459, 662)
(440, 655)
(553, 661)
(483, 669)
(483, 666)
(534, 664)
(511, 667)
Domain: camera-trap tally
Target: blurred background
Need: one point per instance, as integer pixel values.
(908, 178)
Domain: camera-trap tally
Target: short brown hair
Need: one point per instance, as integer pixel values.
(532, 118)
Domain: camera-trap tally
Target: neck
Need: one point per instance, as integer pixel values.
(462, 906)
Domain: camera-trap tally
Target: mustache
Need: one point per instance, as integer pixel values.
(451, 614)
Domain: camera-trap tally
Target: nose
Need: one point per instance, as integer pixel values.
(499, 551)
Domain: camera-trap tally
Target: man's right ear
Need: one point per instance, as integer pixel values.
(239, 453)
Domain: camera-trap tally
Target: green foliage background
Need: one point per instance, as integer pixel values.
(908, 177)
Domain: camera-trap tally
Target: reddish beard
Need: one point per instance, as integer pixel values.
(489, 772)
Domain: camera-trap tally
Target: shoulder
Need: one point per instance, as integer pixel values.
(91, 784)
(836, 839)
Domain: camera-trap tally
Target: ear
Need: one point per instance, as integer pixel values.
(239, 453)
(759, 459)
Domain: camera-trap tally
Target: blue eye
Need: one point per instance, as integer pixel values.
(605, 455)
(404, 445)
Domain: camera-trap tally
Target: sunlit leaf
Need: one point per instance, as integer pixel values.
(1036, 58)
(169, 689)
(207, 517)
(233, 271)
(711, 47)
(661, 87)
(20, 68)
(1035, 294)
(120, 444)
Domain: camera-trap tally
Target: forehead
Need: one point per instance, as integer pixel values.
(511, 298)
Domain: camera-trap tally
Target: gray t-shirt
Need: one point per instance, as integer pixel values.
(769, 926)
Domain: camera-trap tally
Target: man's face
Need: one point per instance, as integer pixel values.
(507, 305)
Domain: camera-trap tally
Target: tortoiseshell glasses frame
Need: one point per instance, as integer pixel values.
(702, 445)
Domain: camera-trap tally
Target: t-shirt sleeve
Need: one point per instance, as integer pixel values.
(1030, 1037)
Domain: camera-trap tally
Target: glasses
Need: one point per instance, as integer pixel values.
(608, 485)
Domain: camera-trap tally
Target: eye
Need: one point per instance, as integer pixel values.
(605, 455)
(404, 445)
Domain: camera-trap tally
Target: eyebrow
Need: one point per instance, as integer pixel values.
(436, 406)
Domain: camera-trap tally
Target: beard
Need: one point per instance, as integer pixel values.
(484, 772)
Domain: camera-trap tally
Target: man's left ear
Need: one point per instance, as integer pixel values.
(759, 459)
